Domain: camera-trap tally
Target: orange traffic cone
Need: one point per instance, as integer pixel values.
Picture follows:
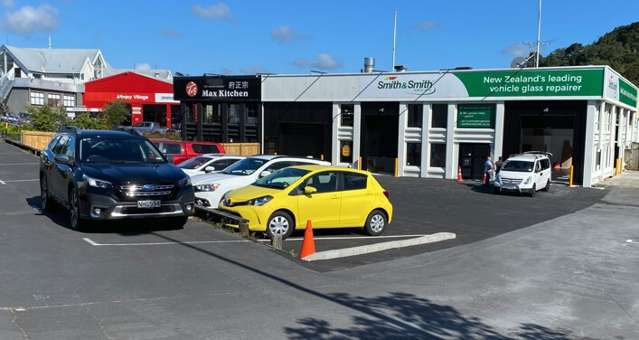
(308, 245)
(460, 178)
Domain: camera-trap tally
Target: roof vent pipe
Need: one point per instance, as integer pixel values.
(369, 65)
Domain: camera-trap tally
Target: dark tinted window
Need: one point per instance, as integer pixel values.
(223, 163)
(323, 182)
(440, 116)
(354, 181)
(205, 148)
(280, 165)
(61, 147)
(414, 154)
(194, 163)
(438, 155)
(53, 142)
(70, 148)
(415, 115)
(545, 164)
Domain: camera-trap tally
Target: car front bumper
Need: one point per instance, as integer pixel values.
(96, 206)
(255, 216)
(521, 188)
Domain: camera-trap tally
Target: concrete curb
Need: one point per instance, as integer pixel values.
(377, 247)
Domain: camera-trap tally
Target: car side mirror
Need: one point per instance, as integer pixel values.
(209, 168)
(265, 173)
(308, 190)
(64, 159)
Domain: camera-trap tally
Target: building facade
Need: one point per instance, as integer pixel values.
(432, 124)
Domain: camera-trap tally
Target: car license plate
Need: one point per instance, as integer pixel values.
(149, 204)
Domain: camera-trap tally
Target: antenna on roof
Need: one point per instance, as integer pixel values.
(49, 39)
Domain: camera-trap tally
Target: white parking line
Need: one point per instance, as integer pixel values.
(2, 182)
(17, 180)
(96, 244)
(353, 237)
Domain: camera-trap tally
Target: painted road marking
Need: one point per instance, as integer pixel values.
(377, 247)
(23, 163)
(631, 241)
(2, 182)
(96, 244)
(17, 180)
(354, 237)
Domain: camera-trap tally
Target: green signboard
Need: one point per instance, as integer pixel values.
(627, 93)
(533, 82)
(478, 116)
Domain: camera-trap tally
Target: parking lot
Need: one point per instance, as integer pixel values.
(422, 207)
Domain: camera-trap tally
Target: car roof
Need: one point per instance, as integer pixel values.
(103, 133)
(328, 168)
(530, 157)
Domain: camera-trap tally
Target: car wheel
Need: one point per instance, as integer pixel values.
(375, 223)
(75, 221)
(533, 191)
(547, 187)
(179, 222)
(280, 223)
(45, 202)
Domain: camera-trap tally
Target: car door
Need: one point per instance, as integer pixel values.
(540, 182)
(55, 180)
(66, 170)
(323, 206)
(356, 200)
(545, 169)
(47, 161)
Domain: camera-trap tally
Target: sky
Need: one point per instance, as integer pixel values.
(249, 36)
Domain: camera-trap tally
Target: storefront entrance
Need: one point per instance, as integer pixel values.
(557, 127)
(471, 159)
(380, 122)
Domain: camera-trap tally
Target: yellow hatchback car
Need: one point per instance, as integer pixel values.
(331, 197)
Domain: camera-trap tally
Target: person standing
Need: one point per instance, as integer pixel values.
(498, 164)
(488, 171)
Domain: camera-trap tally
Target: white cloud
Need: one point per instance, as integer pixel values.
(285, 34)
(518, 50)
(427, 25)
(218, 11)
(323, 61)
(143, 67)
(27, 19)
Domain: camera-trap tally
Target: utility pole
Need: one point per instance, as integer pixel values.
(538, 34)
(394, 38)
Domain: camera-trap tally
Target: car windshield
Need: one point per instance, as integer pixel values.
(105, 149)
(245, 167)
(194, 163)
(518, 166)
(281, 179)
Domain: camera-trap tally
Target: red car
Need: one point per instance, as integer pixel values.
(179, 151)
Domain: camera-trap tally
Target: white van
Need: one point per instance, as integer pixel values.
(527, 173)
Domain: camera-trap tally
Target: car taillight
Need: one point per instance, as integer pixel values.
(387, 194)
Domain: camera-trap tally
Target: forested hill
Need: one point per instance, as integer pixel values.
(619, 49)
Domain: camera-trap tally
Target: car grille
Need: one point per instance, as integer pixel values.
(146, 190)
(511, 181)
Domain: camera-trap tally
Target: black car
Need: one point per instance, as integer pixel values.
(103, 175)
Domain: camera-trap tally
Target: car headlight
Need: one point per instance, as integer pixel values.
(207, 187)
(528, 180)
(185, 182)
(260, 200)
(97, 183)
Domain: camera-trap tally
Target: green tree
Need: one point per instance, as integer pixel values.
(114, 114)
(86, 121)
(47, 118)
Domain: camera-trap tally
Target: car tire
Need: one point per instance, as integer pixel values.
(75, 220)
(45, 199)
(547, 187)
(178, 222)
(280, 223)
(376, 223)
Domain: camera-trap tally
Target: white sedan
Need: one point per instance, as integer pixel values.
(210, 188)
(208, 163)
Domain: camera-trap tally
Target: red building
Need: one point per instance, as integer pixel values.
(148, 98)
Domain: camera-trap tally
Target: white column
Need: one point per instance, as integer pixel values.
(589, 143)
(335, 135)
(401, 138)
(451, 160)
(357, 128)
(498, 143)
(426, 119)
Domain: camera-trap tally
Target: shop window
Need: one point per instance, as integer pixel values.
(438, 155)
(53, 99)
(251, 115)
(440, 116)
(346, 114)
(414, 154)
(598, 162)
(37, 98)
(69, 101)
(415, 113)
(346, 151)
(212, 114)
(235, 114)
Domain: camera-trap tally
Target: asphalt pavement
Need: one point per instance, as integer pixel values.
(568, 277)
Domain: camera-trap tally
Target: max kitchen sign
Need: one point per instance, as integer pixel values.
(217, 88)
